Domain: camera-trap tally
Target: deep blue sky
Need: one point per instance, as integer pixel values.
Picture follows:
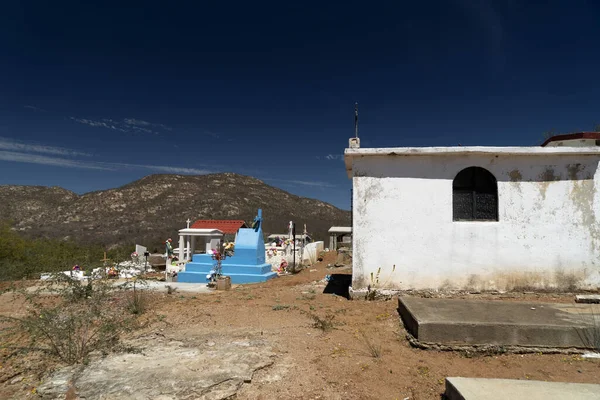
(96, 94)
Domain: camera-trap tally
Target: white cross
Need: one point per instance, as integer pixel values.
(188, 223)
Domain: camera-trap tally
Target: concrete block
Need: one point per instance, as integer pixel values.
(477, 322)
(224, 283)
(488, 389)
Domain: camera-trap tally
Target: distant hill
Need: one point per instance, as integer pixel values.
(147, 210)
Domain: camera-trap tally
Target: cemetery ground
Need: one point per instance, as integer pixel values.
(280, 339)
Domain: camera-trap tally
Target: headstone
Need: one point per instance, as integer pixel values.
(140, 250)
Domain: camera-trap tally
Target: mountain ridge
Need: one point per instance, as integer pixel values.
(154, 207)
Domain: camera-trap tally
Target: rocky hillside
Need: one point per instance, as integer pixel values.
(148, 210)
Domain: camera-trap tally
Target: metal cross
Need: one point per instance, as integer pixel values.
(188, 223)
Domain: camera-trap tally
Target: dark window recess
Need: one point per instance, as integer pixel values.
(474, 195)
(597, 142)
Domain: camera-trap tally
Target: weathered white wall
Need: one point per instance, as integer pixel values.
(573, 143)
(548, 233)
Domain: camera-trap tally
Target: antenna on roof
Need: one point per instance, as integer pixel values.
(356, 120)
(354, 143)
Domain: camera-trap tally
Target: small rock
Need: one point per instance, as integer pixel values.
(16, 380)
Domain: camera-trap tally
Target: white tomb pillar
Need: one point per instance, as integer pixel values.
(180, 247)
(188, 246)
(192, 249)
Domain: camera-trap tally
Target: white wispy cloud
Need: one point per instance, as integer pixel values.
(34, 108)
(138, 122)
(159, 168)
(105, 123)
(303, 183)
(142, 123)
(212, 134)
(172, 170)
(45, 160)
(69, 163)
(313, 183)
(29, 147)
(331, 157)
(128, 125)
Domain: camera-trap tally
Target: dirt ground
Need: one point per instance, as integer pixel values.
(365, 355)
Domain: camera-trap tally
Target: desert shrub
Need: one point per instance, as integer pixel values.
(135, 298)
(68, 320)
(323, 323)
(373, 289)
(373, 349)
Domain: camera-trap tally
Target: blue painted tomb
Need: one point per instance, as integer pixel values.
(247, 265)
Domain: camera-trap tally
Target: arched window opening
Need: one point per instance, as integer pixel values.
(475, 195)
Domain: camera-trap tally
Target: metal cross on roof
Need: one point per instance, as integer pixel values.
(188, 223)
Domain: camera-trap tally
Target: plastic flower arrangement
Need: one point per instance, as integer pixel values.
(215, 273)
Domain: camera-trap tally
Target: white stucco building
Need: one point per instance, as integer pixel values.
(477, 218)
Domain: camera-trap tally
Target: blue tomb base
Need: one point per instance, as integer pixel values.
(202, 264)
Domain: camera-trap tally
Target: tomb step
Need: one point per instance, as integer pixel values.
(229, 268)
(193, 277)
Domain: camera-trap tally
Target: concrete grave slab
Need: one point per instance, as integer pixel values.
(480, 322)
(211, 369)
(588, 298)
(488, 389)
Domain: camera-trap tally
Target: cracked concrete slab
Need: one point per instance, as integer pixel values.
(212, 370)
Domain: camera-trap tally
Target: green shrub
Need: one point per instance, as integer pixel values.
(22, 258)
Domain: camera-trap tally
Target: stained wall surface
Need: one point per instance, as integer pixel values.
(547, 234)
